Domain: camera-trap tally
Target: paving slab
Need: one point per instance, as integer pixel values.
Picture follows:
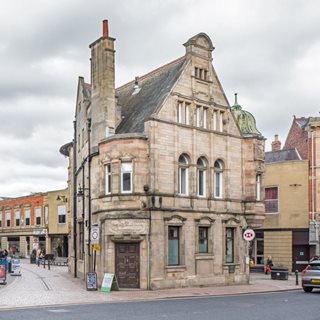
(42, 287)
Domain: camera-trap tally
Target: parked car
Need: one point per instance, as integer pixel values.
(311, 276)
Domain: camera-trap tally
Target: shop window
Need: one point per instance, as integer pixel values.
(271, 199)
(173, 246)
(62, 214)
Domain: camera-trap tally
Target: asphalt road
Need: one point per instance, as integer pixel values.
(282, 305)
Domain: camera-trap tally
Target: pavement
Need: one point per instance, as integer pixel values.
(42, 287)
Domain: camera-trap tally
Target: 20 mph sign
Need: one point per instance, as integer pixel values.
(94, 234)
(248, 235)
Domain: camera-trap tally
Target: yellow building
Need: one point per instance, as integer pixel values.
(285, 232)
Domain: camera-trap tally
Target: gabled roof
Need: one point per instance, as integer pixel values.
(282, 155)
(140, 99)
(298, 137)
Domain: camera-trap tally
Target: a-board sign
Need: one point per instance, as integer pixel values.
(3, 273)
(15, 267)
(91, 281)
(109, 281)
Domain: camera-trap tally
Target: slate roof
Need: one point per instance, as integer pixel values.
(153, 88)
(282, 155)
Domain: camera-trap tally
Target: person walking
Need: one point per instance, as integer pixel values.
(269, 264)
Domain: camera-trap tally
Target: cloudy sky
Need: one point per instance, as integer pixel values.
(267, 51)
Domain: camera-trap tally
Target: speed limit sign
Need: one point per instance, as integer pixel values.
(248, 234)
(94, 234)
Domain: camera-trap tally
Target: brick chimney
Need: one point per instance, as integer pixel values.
(103, 101)
(276, 144)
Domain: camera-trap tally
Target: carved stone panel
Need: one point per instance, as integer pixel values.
(127, 226)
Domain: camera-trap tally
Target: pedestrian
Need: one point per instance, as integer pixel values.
(269, 264)
(38, 257)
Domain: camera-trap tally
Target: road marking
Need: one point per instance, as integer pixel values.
(58, 310)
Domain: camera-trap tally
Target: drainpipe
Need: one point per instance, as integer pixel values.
(89, 192)
(75, 196)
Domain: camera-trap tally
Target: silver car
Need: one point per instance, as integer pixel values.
(311, 276)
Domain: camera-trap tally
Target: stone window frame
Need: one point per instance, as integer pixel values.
(221, 172)
(17, 217)
(185, 166)
(131, 161)
(175, 221)
(258, 184)
(205, 222)
(235, 225)
(107, 178)
(27, 209)
(204, 169)
(36, 217)
(8, 213)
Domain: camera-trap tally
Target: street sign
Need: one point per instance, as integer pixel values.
(96, 246)
(94, 234)
(249, 234)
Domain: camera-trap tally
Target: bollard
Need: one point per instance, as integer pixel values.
(297, 277)
(48, 264)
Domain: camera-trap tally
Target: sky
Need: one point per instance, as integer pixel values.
(266, 51)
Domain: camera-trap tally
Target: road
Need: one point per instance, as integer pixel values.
(281, 305)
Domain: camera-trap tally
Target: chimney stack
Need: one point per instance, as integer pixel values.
(103, 100)
(105, 28)
(276, 144)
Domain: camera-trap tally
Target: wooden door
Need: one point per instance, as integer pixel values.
(128, 265)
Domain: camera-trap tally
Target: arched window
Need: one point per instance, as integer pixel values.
(183, 175)
(201, 177)
(218, 179)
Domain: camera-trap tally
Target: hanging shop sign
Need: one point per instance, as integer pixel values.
(249, 234)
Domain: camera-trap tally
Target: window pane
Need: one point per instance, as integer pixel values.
(229, 245)
(203, 239)
(217, 184)
(200, 182)
(173, 245)
(183, 172)
(187, 115)
(126, 182)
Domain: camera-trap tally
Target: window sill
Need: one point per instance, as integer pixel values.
(178, 268)
(204, 256)
(271, 213)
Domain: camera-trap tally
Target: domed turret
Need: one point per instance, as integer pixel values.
(245, 120)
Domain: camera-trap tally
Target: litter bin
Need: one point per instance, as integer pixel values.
(279, 273)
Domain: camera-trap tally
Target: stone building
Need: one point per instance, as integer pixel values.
(169, 173)
(36, 220)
